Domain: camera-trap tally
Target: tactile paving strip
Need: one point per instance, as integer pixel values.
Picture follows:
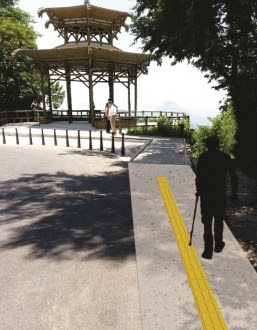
(205, 300)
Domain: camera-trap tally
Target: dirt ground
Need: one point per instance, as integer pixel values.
(242, 216)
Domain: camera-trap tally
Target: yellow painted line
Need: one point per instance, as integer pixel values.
(208, 309)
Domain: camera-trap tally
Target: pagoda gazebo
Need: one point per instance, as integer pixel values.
(88, 54)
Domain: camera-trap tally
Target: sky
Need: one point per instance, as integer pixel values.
(172, 88)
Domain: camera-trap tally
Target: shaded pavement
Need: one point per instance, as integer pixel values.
(66, 245)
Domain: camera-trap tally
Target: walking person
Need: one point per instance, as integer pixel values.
(211, 176)
(106, 113)
(112, 111)
(34, 106)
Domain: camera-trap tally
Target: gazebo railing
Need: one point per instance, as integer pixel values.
(140, 118)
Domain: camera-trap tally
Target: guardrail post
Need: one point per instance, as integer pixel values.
(17, 136)
(4, 141)
(101, 141)
(55, 138)
(67, 139)
(30, 137)
(122, 145)
(90, 140)
(79, 145)
(42, 135)
(113, 146)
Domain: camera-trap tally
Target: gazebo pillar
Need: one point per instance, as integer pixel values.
(136, 91)
(129, 102)
(111, 83)
(42, 73)
(49, 92)
(91, 97)
(68, 89)
(90, 85)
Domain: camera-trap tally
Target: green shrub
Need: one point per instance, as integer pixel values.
(198, 137)
(223, 126)
(151, 131)
(164, 128)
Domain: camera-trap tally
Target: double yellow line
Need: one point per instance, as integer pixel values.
(205, 301)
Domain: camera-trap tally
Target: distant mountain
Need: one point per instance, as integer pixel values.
(174, 107)
(199, 120)
(166, 106)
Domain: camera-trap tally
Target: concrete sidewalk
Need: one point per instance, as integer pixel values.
(132, 144)
(166, 299)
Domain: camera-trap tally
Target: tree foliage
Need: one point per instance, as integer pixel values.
(20, 82)
(223, 127)
(57, 94)
(220, 38)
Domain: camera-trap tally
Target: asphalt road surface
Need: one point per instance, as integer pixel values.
(67, 250)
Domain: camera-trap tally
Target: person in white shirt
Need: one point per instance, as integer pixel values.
(112, 112)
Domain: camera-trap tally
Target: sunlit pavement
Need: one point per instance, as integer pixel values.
(166, 296)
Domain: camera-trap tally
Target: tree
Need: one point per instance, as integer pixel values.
(220, 38)
(7, 3)
(18, 83)
(57, 94)
(223, 127)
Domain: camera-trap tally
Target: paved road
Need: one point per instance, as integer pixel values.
(67, 250)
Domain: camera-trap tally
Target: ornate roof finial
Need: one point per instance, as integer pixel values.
(87, 2)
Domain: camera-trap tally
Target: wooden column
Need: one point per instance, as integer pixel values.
(42, 71)
(136, 91)
(91, 94)
(111, 84)
(66, 37)
(49, 91)
(68, 90)
(129, 102)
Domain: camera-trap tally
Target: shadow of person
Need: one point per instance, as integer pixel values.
(211, 180)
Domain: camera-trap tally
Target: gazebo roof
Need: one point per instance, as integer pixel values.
(63, 15)
(80, 52)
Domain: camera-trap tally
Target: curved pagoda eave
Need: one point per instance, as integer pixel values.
(61, 16)
(77, 53)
